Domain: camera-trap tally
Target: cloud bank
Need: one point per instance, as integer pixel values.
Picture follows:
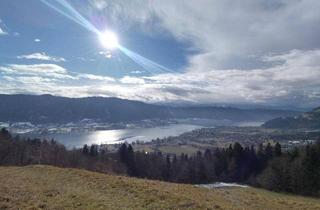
(227, 34)
(251, 51)
(294, 80)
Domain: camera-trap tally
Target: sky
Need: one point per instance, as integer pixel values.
(248, 52)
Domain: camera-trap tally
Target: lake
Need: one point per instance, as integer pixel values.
(78, 139)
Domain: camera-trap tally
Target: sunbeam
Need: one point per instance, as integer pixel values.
(64, 8)
(147, 64)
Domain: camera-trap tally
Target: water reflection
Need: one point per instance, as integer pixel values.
(78, 139)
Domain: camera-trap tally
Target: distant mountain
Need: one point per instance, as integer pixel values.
(229, 113)
(53, 109)
(309, 120)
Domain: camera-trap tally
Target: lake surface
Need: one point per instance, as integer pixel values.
(78, 139)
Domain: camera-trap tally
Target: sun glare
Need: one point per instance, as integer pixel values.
(109, 40)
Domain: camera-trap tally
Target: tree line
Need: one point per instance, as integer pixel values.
(25, 151)
(267, 166)
(232, 164)
(295, 171)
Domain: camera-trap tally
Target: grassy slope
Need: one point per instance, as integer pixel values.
(36, 187)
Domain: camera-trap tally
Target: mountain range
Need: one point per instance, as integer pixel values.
(41, 109)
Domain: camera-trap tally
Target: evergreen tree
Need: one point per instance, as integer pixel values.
(85, 150)
(167, 169)
(123, 153)
(269, 151)
(93, 150)
(277, 150)
(131, 164)
(4, 132)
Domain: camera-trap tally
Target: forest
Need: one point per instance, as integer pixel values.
(268, 166)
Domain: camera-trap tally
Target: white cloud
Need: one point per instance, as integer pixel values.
(293, 79)
(42, 56)
(53, 72)
(132, 80)
(136, 72)
(34, 69)
(95, 77)
(37, 40)
(2, 31)
(99, 4)
(44, 70)
(224, 32)
(29, 80)
(106, 54)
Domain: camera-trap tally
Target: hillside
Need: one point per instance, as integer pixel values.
(45, 187)
(52, 109)
(309, 120)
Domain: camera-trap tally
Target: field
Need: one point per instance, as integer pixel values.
(46, 187)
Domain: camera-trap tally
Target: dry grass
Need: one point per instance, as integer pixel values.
(189, 149)
(178, 149)
(45, 187)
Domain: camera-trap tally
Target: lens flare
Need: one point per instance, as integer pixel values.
(109, 40)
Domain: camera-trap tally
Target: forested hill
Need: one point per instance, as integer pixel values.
(310, 120)
(53, 109)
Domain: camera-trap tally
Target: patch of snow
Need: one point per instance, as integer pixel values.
(221, 185)
(4, 125)
(22, 125)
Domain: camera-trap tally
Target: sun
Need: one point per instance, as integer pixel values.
(109, 40)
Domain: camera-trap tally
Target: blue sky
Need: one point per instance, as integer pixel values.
(57, 35)
(193, 51)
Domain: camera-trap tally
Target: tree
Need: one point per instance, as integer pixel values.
(253, 161)
(131, 164)
(85, 149)
(311, 168)
(269, 151)
(277, 150)
(123, 153)
(167, 169)
(4, 132)
(236, 162)
(276, 176)
(93, 150)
